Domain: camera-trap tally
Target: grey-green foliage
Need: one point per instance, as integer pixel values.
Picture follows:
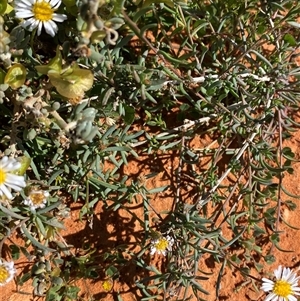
(196, 69)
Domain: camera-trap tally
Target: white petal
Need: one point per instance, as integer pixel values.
(51, 28)
(6, 192)
(10, 264)
(3, 161)
(40, 25)
(267, 288)
(24, 14)
(292, 298)
(59, 17)
(27, 202)
(8, 162)
(285, 273)
(14, 187)
(12, 166)
(15, 179)
(22, 7)
(291, 278)
(18, 186)
(268, 280)
(278, 272)
(152, 250)
(55, 3)
(270, 297)
(29, 24)
(28, 2)
(35, 24)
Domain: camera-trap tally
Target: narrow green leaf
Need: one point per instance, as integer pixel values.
(11, 213)
(35, 242)
(129, 114)
(283, 250)
(158, 189)
(228, 244)
(289, 193)
(219, 279)
(98, 183)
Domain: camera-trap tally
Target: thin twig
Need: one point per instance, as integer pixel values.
(279, 200)
(179, 170)
(182, 128)
(201, 202)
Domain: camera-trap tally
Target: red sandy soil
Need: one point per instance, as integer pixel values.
(117, 227)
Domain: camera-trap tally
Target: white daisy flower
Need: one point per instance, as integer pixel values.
(39, 13)
(36, 199)
(7, 271)
(284, 287)
(9, 180)
(161, 245)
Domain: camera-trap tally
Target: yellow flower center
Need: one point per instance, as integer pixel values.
(162, 244)
(107, 285)
(42, 11)
(3, 274)
(2, 176)
(37, 198)
(282, 288)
